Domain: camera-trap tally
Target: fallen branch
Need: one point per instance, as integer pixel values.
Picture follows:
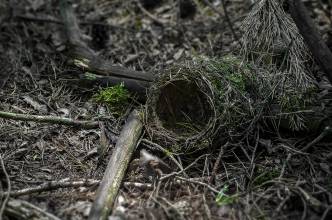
(198, 183)
(18, 209)
(90, 63)
(66, 183)
(150, 144)
(137, 86)
(160, 22)
(167, 176)
(315, 43)
(216, 164)
(86, 59)
(52, 185)
(49, 119)
(116, 168)
(327, 131)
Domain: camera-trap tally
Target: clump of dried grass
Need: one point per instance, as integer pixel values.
(271, 40)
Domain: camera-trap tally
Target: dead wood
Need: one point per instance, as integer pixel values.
(315, 43)
(19, 209)
(83, 57)
(137, 86)
(88, 61)
(116, 168)
(48, 119)
(66, 183)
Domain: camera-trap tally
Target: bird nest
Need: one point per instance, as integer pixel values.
(190, 103)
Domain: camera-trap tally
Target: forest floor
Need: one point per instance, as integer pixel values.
(268, 179)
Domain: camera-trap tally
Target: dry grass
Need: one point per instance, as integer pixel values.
(272, 39)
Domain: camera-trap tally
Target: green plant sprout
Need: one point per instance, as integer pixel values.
(223, 199)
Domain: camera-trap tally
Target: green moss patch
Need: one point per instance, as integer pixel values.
(115, 97)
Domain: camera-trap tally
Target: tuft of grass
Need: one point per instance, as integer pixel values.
(224, 199)
(115, 97)
(265, 176)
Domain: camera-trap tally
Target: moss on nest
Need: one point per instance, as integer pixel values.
(189, 103)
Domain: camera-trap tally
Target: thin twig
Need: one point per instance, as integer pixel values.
(52, 185)
(327, 130)
(66, 183)
(151, 16)
(25, 210)
(160, 148)
(48, 119)
(9, 187)
(252, 164)
(327, 210)
(284, 166)
(183, 170)
(216, 164)
(199, 183)
(228, 20)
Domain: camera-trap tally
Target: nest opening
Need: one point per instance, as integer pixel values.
(183, 108)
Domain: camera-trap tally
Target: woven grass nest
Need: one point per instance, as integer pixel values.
(191, 103)
(197, 101)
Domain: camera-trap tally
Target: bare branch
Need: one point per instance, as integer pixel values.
(48, 119)
(116, 167)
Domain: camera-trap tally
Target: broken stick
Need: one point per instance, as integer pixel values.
(19, 209)
(116, 168)
(49, 119)
(83, 57)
